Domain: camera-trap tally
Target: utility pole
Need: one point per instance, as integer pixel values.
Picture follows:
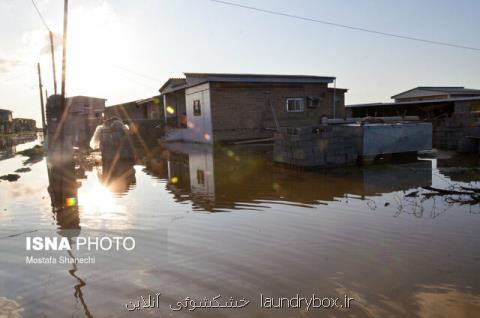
(46, 99)
(64, 67)
(64, 50)
(40, 86)
(52, 49)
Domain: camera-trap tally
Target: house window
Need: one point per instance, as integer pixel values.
(200, 177)
(295, 105)
(197, 110)
(313, 102)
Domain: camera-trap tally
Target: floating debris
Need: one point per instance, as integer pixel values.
(10, 177)
(34, 154)
(21, 170)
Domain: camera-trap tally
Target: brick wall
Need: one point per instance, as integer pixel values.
(242, 111)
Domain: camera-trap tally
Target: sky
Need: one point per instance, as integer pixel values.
(124, 50)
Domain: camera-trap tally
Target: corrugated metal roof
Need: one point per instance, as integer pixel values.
(262, 78)
(430, 101)
(442, 90)
(174, 83)
(193, 79)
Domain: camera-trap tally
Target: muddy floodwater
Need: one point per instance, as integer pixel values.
(227, 221)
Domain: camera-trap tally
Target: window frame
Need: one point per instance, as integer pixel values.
(296, 99)
(197, 112)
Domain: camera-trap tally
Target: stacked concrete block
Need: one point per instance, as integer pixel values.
(314, 146)
(340, 145)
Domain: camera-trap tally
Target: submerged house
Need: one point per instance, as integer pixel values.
(24, 125)
(207, 107)
(454, 112)
(143, 109)
(145, 117)
(81, 117)
(85, 113)
(6, 121)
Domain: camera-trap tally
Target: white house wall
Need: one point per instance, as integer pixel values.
(199, 127)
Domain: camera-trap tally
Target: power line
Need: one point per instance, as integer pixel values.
(136, 73)
(40, 15)
(405, 37)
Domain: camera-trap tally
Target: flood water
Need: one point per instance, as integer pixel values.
(229, 222)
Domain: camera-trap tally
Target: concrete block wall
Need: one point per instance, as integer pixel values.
(313, 146)
(242, 110)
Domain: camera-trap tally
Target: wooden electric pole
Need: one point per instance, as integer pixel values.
(40, 86)
(60, 131)
(63, 110)
(64, 50)
(52, 49)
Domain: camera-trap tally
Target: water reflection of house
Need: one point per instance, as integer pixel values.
(232, 177)
(6, 121)
(203, 107)
(8, 144)
(462, 168)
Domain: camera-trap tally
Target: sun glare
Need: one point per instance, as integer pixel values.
(98, 206)
(95, 46)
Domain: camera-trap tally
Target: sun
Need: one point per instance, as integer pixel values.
(95, 45)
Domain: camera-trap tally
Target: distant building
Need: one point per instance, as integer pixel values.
(24, 125)
(422, 93)
(207, 107)
(149, 108)
(84, 115)
(144, 117)
(427, 102)
(454, 112)
(6, 122)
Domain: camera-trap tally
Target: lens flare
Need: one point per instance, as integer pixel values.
(70, 202)
(170, 110)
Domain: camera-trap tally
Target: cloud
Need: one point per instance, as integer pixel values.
(57, 43)
(6, 65)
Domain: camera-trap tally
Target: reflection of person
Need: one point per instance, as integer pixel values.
(118, 175)
(183, 120)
